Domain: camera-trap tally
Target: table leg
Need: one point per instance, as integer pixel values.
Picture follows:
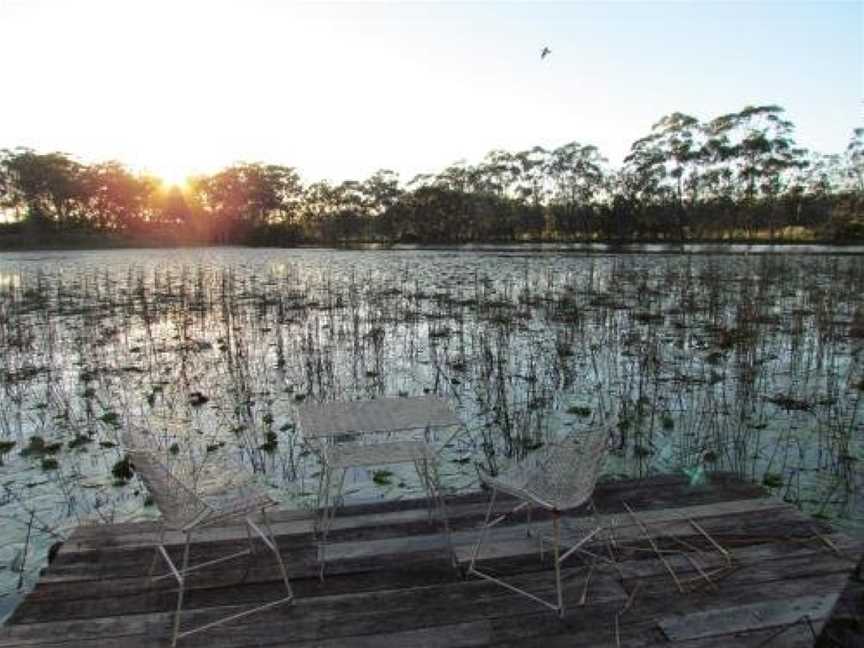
(328, 514)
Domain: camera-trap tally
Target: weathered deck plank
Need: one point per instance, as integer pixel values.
(389, 583)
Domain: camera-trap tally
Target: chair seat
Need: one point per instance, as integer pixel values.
(556, 477)
(374, 454)
(225, 506)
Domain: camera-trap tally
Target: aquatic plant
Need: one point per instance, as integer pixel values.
(747, 360)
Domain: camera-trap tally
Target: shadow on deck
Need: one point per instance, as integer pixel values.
(713, 565)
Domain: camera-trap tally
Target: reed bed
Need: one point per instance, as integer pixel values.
(748, 363)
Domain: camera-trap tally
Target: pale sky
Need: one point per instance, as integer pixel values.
(340, 90)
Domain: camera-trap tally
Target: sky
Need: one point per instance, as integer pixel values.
(340, 90)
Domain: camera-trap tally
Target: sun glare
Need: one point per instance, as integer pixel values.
(172, 177)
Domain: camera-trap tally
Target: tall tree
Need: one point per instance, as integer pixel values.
(47, 185)
(855, 161)
(668, 164)
(762, 148)
(381, 191)
(115, 198)
(577, 177)
(499, 172)
(245, 196)
(679, 141)
(532, 179)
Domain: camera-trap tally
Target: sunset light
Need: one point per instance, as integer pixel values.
(431, 323)
(172, 176)
(340, 90)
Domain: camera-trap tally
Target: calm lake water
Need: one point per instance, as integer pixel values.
(695, 359)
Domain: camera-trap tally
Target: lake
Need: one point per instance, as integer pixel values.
(694, 359)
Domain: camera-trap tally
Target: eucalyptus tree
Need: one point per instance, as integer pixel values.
(760, 145)
(318, 205)
(644, 172)
(532, 190)
(224, 197)
(718, 177)
(754, 157)
(439, 214)
(285, 189)
(334, 212)
(680, 139)
(47, 186)
(349, 210)
(500, 172)
(381, 191)
(720, 182)
(809, 189)
(576, 174)
(855, 161)
(7, 188)
(820, 174)
(245, 196)
(459, 177)
(421, 180)
(532, 181)
(622, 204)
(116, 199)
(667, 165)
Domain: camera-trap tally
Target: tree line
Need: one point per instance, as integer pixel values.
(737, 176)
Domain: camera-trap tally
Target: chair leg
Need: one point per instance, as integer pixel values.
(269, 539)
(420, 468)
(441, 503)
(181, 581)
(556, 550)
(251, 554)
(483, 532)
(275, 549)
(250, 539)
(323, 497)
(320, 495)
(155, 555)
(429, 486)
(435, 498)
(488, 523)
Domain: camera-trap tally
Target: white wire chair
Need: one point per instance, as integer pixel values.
(186, 505)
(559, 477)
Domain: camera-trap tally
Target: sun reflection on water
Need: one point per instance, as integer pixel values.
(9, 280)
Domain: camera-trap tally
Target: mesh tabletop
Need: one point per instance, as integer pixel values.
(380, 453)
(375, 416)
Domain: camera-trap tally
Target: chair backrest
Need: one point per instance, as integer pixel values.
(571, 468)
(178, 504)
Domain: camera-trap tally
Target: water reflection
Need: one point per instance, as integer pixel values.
(693, 363)
(9, 280)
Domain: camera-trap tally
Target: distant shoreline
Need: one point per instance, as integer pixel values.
(96, 241)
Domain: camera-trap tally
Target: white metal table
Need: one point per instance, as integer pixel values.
(346, 434)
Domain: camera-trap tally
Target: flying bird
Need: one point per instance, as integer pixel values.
(544, 53)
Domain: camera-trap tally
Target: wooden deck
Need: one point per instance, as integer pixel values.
(389, 584)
